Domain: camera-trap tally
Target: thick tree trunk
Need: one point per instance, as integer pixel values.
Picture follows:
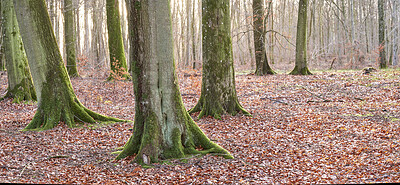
(56, 98)
(20, 85)
(163, 129)
(218, 91)
(301, 41)
(382, 27)
(115, 42)
(69, 36)
(262, 66)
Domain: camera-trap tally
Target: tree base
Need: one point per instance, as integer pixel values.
(216, 109)
(51, 113)
(150, 146)
(303, 71)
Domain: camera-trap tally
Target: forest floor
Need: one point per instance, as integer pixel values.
(332, 127)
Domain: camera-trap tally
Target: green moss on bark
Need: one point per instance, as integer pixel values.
(56, 100)
(301, 41)
(20, 85)
(69, 36)
(115, 42)
(218, 91)
(163, 129)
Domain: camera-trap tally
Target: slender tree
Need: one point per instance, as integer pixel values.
(20, 85)
(2, 59)
(395, 18)
(382, 27)
(69, 36)
(262, 66)
(163, 129)
(115, 41)
(301, 41)
(56, 98)
(218, 91)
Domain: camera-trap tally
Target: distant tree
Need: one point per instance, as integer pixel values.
(163, 129)
(69, 35)
(56, 98)
(382, 27)
(2, 61)
(301, 41)
(218, 91)
(395, 18)
(115, 41)
(259, 19)
(20, 85)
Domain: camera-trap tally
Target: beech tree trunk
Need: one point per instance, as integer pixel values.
(301, 41)
(115, 41)
(262, 66)
(20, 85)
(56, 98)
(382, 27)
(163, 129)
(2, 59)
(69, 36)
(218, 91)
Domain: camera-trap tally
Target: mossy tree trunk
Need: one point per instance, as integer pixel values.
(300, 67)
(218, 91)
(259, 29)
(56, 98)
(2, 59)
(115, 41)
(20, 85)
(69, 36)
(163, 129)
(382, 27)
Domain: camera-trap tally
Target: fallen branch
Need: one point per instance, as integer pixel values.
(274, 100)
(316, 95)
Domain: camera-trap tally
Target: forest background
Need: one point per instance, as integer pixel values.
(341, 35)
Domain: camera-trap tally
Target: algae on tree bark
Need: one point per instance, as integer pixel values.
(115, 42)
(56, 99)
(20, 85)
(69, 35)
(218, 91)
(301, 41)
(163, 129)
(382, 37)
(259, 29)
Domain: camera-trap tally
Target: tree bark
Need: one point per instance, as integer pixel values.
(163, 129)
(20, 85)
(395, 18)
(218, 91)
(56, 98)
(301, 41)
(69, 38)
(382, 27)
(2, 59)
(262, 66)
(115, 41)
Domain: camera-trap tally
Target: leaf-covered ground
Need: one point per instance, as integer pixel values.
(333, 127)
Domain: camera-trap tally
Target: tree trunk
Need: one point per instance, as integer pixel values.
(395, 18)
(20, 85)
(2, 59)
(115, 42)
(69, 36)
(56, 98)
(382, 27)
(301, 41)
(218, 91)
(163, 129)
(262, 66)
